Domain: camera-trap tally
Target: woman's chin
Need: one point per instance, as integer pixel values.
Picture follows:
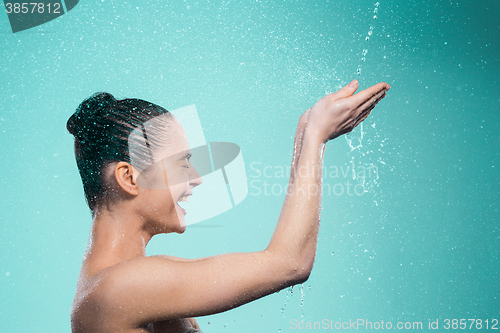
(180, 218)
(181, 230)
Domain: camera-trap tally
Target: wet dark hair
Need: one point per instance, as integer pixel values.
(102, 126)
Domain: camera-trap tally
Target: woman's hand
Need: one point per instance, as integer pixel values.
(342, 111)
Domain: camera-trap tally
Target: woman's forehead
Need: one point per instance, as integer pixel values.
(177, 144)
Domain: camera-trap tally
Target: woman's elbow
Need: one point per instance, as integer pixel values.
(304, 272)
(300, 272)
(290, 269)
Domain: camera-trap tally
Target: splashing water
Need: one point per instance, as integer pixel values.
(302, 300)
(355, 141)
(368, 35)
(365, 175)
(289, 292)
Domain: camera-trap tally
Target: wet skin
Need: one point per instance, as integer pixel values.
(120, 289)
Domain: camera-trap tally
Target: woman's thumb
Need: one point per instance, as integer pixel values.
(351, 87)
(348, 90)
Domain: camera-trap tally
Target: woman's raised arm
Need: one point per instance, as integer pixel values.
(334, 115)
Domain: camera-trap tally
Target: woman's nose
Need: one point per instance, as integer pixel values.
(194, 178)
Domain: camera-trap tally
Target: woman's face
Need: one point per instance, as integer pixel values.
(174, 180)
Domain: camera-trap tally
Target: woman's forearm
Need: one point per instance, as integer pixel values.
(297, 145)
(296, 233)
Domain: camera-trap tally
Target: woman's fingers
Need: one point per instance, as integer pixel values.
(365, 112)
(371, 102)
(368, 104)
(366, 95)
(344, 110)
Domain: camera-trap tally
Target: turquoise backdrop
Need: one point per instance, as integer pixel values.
(421, 244)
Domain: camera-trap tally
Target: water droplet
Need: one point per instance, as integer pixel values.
(7, 273)
(370, 32)
(302, 300)
(289, 292)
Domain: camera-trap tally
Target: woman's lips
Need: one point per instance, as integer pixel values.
(183, 198)
(182, 209)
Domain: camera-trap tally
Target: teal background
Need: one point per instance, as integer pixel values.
(422, 244)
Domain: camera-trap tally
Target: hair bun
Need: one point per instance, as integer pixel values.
(88, 112)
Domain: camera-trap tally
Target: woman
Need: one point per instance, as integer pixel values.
(133, 157)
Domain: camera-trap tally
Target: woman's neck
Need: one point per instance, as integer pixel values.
(116, 235)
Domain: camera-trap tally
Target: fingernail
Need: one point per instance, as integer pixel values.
(353, 83)
(388, 87)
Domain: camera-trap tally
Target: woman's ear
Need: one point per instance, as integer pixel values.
(126, 178)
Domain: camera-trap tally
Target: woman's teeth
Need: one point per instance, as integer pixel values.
(183, 198)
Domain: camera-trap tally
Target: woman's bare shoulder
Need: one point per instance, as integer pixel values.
(95, 280)
(145, 289)
(96, 299)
